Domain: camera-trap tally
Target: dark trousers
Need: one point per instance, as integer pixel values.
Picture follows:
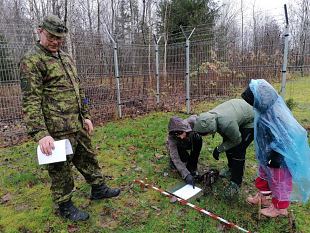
(191, 159)
(236, 155)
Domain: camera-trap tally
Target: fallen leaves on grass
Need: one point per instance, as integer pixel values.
(158, 156)
(24, 229)
(72, 228)
(109, 218)
(22, 207)
(155, 208)
(6, 198)
(132, 148)
(223, 228)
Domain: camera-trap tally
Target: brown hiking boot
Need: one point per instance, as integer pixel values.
(254, 200)
(273, 212)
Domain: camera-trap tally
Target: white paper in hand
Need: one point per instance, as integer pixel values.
(187, 191)
(59, 154)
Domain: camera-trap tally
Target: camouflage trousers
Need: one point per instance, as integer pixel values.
(84, 159)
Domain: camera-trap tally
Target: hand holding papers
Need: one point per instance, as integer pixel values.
(187, 191)
(59, 154)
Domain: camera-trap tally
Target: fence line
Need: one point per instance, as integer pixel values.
(141, 80)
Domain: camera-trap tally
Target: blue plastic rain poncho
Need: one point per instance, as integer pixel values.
(276, 129)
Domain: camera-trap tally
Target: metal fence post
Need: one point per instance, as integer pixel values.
(116, 73)
(188, 107)
(286, 34)
(157, 67)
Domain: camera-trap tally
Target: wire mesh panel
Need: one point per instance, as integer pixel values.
(299, 72)
(217, 67)
(94, 61)
(15, 39)
(137, 79)
(299, 60)
(172, 76)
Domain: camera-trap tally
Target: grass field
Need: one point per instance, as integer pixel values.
(131, 149)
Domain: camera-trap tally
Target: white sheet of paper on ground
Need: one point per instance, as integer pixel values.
(59, 154)
(187, 191)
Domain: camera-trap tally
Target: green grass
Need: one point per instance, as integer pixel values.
(131, 149)
(298, 90)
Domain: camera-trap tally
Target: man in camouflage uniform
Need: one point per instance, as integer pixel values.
(55, 108)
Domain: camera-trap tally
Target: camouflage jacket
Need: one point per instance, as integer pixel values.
(53, 102)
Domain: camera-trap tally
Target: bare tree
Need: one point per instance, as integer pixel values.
(131, 21)
(37, 12)
(165, 37)
(242, 27)
(150, 26)
(98, 16)
(143, 21)
(113, 17)
(66, 12)
(44, 8)
(68, 24)
(304, 31)
(2, 10)
(56, 8)
(89, 14)
(254, 16)
(299, 21)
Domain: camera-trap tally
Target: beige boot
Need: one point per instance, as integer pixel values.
(254, 200)
(273, 212)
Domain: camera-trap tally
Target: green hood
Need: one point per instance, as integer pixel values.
(206, 123)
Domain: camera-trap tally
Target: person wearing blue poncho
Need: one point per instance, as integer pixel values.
(282, 151)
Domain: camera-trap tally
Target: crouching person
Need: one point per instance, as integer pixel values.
(184, 146)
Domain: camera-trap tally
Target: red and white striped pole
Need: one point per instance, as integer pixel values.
(184, 202)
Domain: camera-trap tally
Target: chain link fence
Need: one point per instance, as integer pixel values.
(121, 80)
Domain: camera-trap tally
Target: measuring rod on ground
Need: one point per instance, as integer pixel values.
(185, 202)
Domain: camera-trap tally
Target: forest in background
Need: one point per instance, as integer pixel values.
(135, 22)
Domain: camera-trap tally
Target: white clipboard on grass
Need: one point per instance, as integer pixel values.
(187, 191)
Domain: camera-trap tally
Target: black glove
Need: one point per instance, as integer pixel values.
(275, 160)
(195, 136)
(216, 153)
(189, 179)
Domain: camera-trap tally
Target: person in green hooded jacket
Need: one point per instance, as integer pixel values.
(233, 120)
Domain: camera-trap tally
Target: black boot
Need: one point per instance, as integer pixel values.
(103, 191)
(69, 211)
(237, 170)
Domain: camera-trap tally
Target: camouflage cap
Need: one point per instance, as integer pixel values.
(54, 25)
